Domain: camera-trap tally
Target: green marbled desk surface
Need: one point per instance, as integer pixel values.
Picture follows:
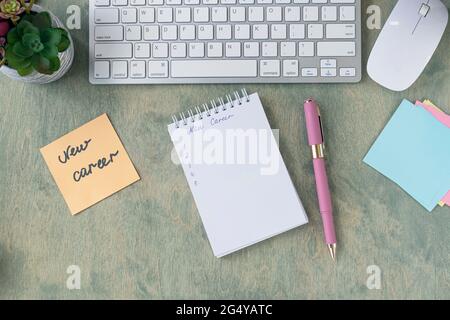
(147, 241)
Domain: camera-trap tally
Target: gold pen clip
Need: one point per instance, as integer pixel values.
(321, 127)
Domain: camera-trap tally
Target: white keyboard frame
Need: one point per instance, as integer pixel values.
(354, 61)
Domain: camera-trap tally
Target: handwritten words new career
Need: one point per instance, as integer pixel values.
(100, 164)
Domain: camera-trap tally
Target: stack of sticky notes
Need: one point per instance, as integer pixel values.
(414, 151)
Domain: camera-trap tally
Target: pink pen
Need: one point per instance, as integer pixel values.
(316, 141)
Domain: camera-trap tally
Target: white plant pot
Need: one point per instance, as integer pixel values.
(66, 58)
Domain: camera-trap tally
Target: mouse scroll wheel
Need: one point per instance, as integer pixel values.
(424, 9)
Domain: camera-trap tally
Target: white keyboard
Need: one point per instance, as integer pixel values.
(224, 41)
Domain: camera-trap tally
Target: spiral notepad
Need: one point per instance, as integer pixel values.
(235, 171)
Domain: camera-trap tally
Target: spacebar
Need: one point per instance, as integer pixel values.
(213, 68)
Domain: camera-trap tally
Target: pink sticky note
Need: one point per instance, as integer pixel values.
(446, 199)
(445, 119)
(438, 114)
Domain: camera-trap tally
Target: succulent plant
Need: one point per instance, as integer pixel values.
(11, 9)
(34, 45)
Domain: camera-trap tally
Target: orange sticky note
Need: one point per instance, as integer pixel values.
(89, 164)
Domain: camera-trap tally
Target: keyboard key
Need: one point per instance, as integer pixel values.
(260, 31)
(101, 69)
(215, 50)
(106, 15)
(137, 69)
(315, 31)
(219, 14)
(205, 32)
(297, 31)
(119, 2)
(290, 68)
(223, 32)
(151, 33)
(242, 31)
(164, 15)
(328, 63)
(213, 68)
(183, 15)
(233, 49)
(101, 3)
(310, 13)
(196, 49)
(347, 13)
(187, 32)
(328, 72)
(108, 33)
(292, 14)
(347, 72)
(147, 15)
(142, 50)
(269, 68)
(269, 49)
(336, 49)
(256, 14)
(237, 14)
(178, 50)
(133, 33)
(329, 13)
(129, 15)
(278, 31)
(201, 14)
(341, 31)
(160, 50)
(273, 14)
(158, 69)
(169, 32)
(251, 49)
(111, 51)
(306, 49)
(120, 69)
(288, 49)
(309, 72)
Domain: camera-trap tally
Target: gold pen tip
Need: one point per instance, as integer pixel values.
(332, 249)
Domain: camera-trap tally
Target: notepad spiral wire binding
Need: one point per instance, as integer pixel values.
(215, 106)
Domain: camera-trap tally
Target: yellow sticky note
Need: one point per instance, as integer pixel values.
(89, 164)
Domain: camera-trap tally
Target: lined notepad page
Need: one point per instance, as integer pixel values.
(239, 206)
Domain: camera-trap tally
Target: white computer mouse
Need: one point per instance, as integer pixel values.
(407, 42)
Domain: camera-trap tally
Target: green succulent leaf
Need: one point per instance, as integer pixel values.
(41, 64)
(64, 32)
(22, 51)
(13, 60)
(31, 29)
(42, 20)
(27, 17)
(32, 41)
(55, 64)
(51, 36)
(25, 70)
(26, 27)
(50, 51)
(63, 44)
(13, 36)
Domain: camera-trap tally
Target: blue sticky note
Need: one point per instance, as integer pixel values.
(414, 151)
